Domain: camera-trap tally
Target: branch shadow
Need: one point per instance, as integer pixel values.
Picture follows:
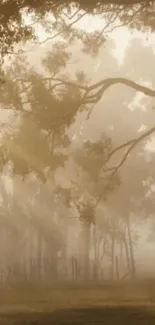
(84, 316)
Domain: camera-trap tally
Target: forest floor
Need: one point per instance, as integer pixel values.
(78, 304)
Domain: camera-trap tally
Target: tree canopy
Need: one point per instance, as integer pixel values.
(135, 14)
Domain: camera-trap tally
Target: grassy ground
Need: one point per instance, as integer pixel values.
(78, 304)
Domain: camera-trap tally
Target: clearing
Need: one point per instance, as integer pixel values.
(78, 304)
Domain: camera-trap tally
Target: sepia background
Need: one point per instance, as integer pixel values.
(73, 205)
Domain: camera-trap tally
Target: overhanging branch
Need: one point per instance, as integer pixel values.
(105, 84)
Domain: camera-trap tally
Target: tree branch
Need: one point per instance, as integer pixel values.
(107, 83)
(132, 144)
(103, 85)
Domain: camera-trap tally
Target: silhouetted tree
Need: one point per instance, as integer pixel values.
(91, 158)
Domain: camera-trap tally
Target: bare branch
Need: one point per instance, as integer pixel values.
(63, 30)
(73, 15)
(107, 83)
(111, 21)
(132, 144)
(130, 19)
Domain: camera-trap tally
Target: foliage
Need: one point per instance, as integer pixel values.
(92, 183)
(93, 156)
(136, 14)
(57, 58)
(44, 110)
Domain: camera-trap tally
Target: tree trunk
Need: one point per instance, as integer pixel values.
(30, 252)
(86, 233)
(64, 262)
(133, 269)
(121, 255)
(117, 269)
(95, 255)
(39, 255)
(54, 265)
(127, 252)
(112, 256)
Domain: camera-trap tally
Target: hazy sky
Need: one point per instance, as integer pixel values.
(121, 35)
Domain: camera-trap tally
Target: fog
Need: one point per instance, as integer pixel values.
(59, 218)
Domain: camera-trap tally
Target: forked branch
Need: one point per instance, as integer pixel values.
(130, 145)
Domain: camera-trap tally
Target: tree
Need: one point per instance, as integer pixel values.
(38, 144)
(136, 14)
(46, 106)
(136, 169)
(120, 9)
(45, 109)
(31, 234)
(89, 159)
